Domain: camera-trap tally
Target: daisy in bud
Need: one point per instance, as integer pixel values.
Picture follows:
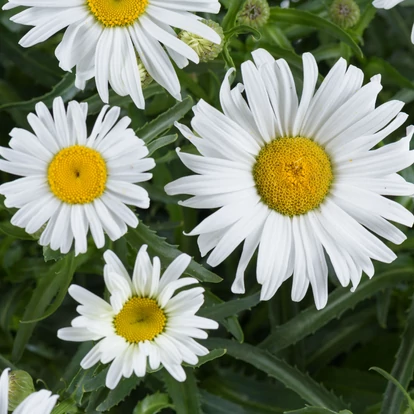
(254, 13)
(74, 181)
(345, 13)
(144, 325)
(205, 49)
(389, 4)
(104, 38)
(41, 402)
(297, 179)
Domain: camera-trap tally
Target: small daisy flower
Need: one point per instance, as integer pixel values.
(74, 182)
(144, 325)
(389, 4)
(297, 179)
(104, 38)
(41, 402)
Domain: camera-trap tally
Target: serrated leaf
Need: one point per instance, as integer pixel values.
(160, 143)
(305, 18)
(52, 285)
(97, 381)
(122, 390)
(153, 404)
(164, 121)
(232, 307)
(185, 394)
(292, 378)
(157, 246)
(65, 89)
(340, 300)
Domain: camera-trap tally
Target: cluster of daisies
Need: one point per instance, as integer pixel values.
(299, 180)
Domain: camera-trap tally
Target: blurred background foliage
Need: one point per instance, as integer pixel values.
(268, 357)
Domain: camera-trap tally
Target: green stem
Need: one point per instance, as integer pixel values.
(403, 368)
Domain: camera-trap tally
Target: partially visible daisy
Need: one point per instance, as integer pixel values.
(41, 402)
(72, 181)
(297, 179)
(389, 4)
(104, 38)
(143, 321)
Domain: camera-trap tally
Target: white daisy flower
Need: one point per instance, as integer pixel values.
(389, 4)
(72, 181)
(104, 38)
(297, 179)
(143, 319)
(41, 402)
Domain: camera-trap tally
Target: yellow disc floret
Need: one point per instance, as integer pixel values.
(141, 319)
(113, 13)
(77, 175)
(292, 175)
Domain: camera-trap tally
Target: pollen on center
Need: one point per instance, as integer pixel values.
(111, 13)
(292, 175)
(77, 175)
(140, 319)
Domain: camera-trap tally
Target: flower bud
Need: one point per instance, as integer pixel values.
(145, 77)
(344, 13)
(254, 13)
(20, 387)
(205, 49)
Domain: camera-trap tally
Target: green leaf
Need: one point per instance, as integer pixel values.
(30, 62)
(377, 65)
(185, 395)
(399, 387)
(53, 284)
(122, 390)
(65, 89)
(402, 371)
(157, 246)
(304, 18)
(229, 19)
(231, 323)
(213, 354)
(164, 121)
(340, 300)
(223, 310)
(66, 407)
(317, 410)
(49, 254)
(95, 103)
(153, 404)
(161, 142)
(16, 232)
(292, 378)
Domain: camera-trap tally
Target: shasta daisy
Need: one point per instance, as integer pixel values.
(297, 179)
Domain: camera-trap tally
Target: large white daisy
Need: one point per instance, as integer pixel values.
(389, 4)
(297, 179)
(144, 320)
(41, 402)
(104, 38)
(73, 181)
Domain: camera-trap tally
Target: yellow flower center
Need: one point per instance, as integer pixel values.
(140, 319)
(117, 12)
(77, 175)
(292, 175)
